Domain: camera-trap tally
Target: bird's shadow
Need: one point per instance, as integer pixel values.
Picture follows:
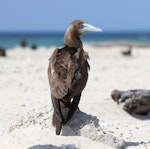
(69, 146)
(141, 117)
(82, 124)
(88, 126)
(77, 122)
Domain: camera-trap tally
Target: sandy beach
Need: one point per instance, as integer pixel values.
(26, 109)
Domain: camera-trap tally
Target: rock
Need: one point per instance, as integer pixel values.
(70, 146)
(135, 101)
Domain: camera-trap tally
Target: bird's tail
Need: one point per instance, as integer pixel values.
(57, 123)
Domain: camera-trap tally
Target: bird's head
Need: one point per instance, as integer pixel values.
(77, 28)
(81, 27)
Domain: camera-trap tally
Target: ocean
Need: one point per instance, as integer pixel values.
(11, 40)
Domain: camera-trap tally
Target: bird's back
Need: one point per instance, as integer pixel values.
(68, 72)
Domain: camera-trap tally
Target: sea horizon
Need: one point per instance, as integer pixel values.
(11, 39)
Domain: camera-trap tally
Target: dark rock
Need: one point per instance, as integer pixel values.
(135, 101)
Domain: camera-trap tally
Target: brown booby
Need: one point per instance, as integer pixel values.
(68, 73)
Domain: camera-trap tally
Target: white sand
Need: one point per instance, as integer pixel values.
(25, 104)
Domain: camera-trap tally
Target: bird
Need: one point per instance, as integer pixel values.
(2, 52)
(68, 73)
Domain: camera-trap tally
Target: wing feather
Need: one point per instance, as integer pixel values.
(65, 70)
(60, 73)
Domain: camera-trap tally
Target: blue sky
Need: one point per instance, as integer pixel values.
(56, 15)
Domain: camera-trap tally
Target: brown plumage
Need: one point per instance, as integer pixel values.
(68, 73)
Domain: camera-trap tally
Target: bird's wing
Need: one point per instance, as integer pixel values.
(60, 72)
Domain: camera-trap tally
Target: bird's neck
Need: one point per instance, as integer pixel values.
(72, 39)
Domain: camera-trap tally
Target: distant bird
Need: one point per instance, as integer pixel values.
(128, 52)
(2, 52)
(33, 46)
(23, 43)
(68, 73)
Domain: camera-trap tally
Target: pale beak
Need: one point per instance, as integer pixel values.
(85, 27)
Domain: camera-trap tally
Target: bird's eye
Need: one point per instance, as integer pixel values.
(82, 25)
